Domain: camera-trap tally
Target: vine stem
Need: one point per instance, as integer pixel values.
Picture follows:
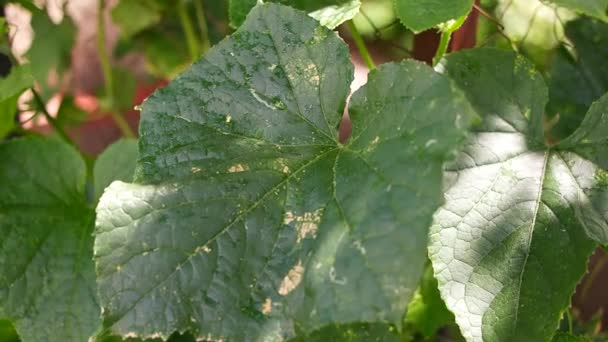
(51, 120)
(361, 45)
(188, 28)
(106, 68)
(202, 25)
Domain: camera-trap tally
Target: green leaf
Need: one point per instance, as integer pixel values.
(427, 312)
(513, 239)
(594, 8)
(51, 48)
(420, 15)
(11, 87)
(117, 162)
(47, 283)
(340, 9)
(134, 16)
(247, 218)
(333, 16)
(576, 81)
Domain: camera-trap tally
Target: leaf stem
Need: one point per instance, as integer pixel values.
(188, 28)
(51, 120)
(361, 45)
(446, 35)
(202, 25)
(106, 67)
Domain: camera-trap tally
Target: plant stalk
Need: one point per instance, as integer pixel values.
(188, 28)
(106, 68)
(202, 25)
(361, 45)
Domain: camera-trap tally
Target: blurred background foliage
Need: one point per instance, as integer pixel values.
(92, 61)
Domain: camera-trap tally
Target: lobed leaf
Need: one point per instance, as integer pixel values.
(47, 283)
(513, 239)
(248, 219)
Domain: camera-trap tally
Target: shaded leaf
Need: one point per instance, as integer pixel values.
(357, 332)
(69, 114)
(576, 81)
(247, 218)
(420, 15)
(427, 313)
(565, 337)
(134, 16)
(117, 162)
(513, 239)
(47, 283)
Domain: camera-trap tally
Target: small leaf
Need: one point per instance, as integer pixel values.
(594, 8)
(117, 162)
(134, 16)
(420, 15)
(47, 283)
(248, 219)
(333, 16)
(51, 48)
(427, 312)
(513, 239)
(337, 11)
(11, 87)
(578, 76)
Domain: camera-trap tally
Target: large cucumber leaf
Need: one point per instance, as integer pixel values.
(521, 218)
(248, 219)
(47, 283)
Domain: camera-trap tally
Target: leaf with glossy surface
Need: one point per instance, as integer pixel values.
(47, 282)
(420, 15)
(247, 218)
(117, 162)
(513, 239)
(11, 87)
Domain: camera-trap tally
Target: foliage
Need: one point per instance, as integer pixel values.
(241, 213)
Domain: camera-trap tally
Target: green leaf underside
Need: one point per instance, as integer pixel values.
(577, 81)
(513, 238)
(238, 9)
(248, 219)
(47, 283)
(117, 162)
(595, 8)
(420, 15)
(11, 87)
